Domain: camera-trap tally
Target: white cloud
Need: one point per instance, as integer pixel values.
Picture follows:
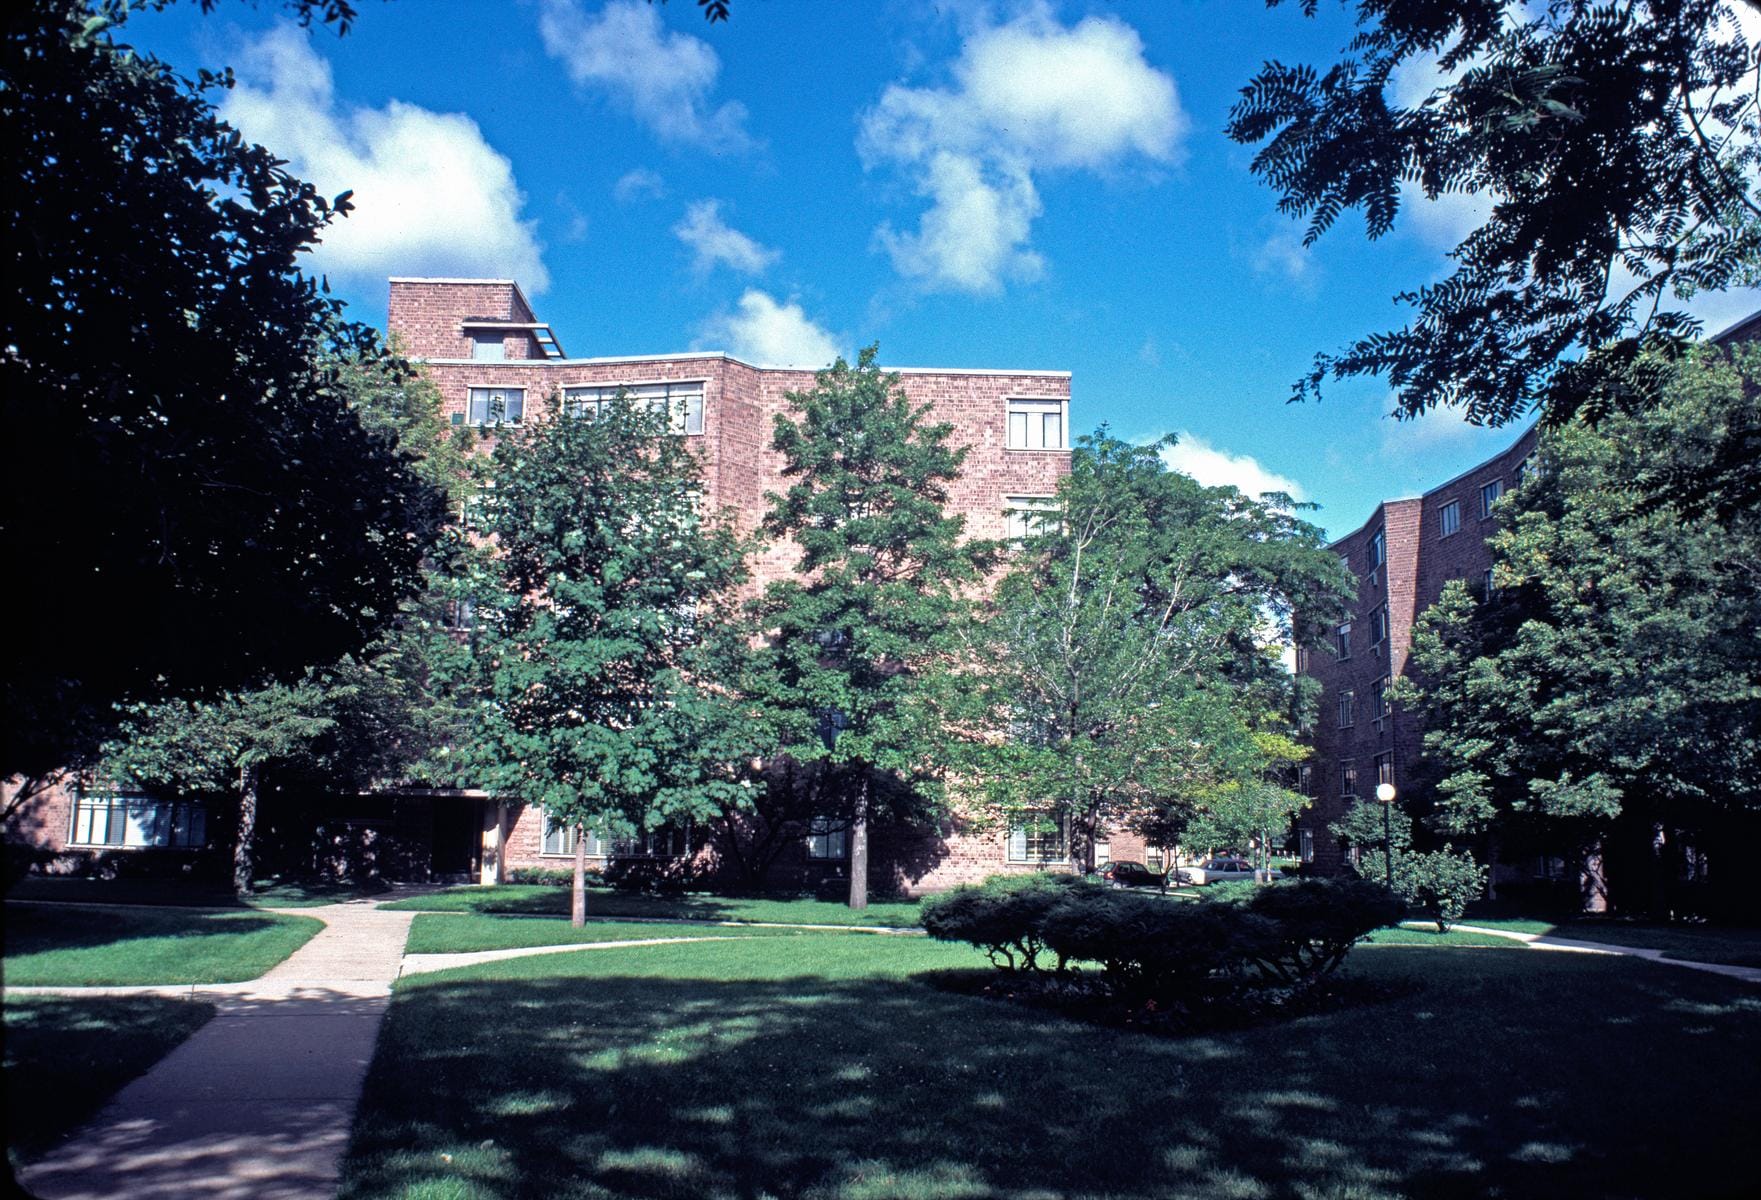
(1214, 467)
(765, 332)
(638, 184)
(713, 242)
(1028, 96)
(1437, 429)
(666, 80)
(1283, 255)
(431, 195)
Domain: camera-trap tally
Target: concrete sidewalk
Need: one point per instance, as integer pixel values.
(1547, 941)
(258, 1103)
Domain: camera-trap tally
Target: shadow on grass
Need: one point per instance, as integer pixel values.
(1490, 1074)
(43, 928)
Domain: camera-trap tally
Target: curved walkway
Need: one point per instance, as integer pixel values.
(258, 1103)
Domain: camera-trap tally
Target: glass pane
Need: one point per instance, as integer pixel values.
(479, 406)
(1018, 429)
(1053, 431)
(514, 404)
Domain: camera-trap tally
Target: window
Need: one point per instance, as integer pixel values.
(1449, 518)
(1306, 839)
(1378, 549)
(828, 838)
(496, 406)
(488, 347)
(461, 614)
(1036, 424)
(132, 819)
(1347, 702)
(681, 402)
(1489, 493)
(1379, 626)
(1488, 586)
(1037, 840)
(1521, 472)
(1345, 641)
(1302, 660)
(1305, 779)
(1024, 516)
(1384, 706)
(1348, 780)
(1385, 768)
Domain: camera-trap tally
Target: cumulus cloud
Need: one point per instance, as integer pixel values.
(431, 195)
(1028, 96)
(638, 184)
(1284, 256)
(762, 331)
(713, 242)
(666, 80)
(1215, 467)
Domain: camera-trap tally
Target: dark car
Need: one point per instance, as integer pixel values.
(1124, 873)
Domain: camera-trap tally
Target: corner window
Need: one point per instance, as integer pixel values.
(1489, 493)
(682, 403)
(1347, 707)
(1037, 840)
(1037, 425)
(497, 406)
(1379, 696)
(1302, 660)
(828, 839)
(1024, 516)
(1449, 518)
(1378, 549)
(133, 819)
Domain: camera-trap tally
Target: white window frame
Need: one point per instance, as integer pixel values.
(828, 839)
(1023, 515)
(137, 821)
(1028, 420)
(480, 402)
(1449, 519)
(1490, 492)
(682, 400)
(1047, 844)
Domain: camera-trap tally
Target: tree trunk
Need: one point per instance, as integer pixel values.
(578, 894)
(248, 779)
(859, 844)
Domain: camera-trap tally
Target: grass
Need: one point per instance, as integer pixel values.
(1412, 935)
(449, 933)
(1735, 945)
(49, 945)
(65, 1058)
(185, 893)
(818, 1068)
(538, 899)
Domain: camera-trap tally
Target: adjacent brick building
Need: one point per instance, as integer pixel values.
(1401, 558)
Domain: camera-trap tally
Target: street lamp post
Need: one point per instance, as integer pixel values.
(1385, 793)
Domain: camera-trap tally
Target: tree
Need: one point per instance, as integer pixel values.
(1441, 882)
(859, 641)
(193, 501)
(605, 576)
(1130, 653)
(1611, 688)
(1618, 147)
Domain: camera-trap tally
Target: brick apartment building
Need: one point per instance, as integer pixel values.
(494, 361)
(1401, 558)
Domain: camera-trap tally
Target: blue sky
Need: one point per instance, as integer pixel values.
(970, 184)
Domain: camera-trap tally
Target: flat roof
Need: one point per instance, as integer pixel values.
(689, 355)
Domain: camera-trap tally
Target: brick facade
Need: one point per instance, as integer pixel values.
(1426, 543)
(432, 322)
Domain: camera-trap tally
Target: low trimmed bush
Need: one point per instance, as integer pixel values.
(1309, 925)
(1151, 947)
(1004, 916)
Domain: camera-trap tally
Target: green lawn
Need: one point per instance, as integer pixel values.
(610, 902)
(810, 1068)
(66, 945)
(185, 893)
(1735, 945)
(450, 933)
(1411, 935)
(65, 1058)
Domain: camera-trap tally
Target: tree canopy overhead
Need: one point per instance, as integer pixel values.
(191, 503)
(1618, 144)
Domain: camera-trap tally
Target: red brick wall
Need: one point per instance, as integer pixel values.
(43, 821)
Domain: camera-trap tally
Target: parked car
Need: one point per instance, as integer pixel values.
(1219, 870)
(1125, 873)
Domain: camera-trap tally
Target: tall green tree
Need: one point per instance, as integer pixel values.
(604, 578)
(1130, 653)
(1617, 145)
(860, 641)
(1612, 685)
(196, 504)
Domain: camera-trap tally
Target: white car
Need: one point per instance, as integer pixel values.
(1219, 870)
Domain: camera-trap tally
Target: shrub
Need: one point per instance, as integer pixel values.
(1151, 947)
(1442, 883)
(1004, 916)
(1309, 925)
(544, 876)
